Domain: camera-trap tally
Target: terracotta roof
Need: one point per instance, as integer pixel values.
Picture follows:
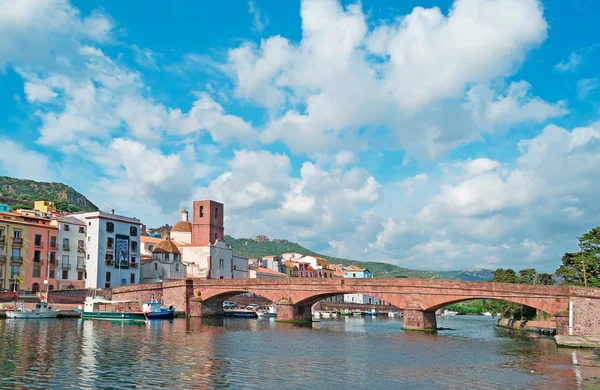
(182, 226)
(355, 268)
(269, 271)
(150, 240)
(166, 246)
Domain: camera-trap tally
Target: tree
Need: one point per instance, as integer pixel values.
(583, 268)
(527, 276)
(545, 279)
(502, 275)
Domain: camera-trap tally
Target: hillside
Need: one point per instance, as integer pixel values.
(253, 249)
(20, 193)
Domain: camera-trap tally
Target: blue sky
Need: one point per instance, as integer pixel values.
(430, 134)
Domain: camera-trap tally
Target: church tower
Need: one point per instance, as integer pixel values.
(207, 225)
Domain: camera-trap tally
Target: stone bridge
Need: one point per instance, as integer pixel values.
(418, 298)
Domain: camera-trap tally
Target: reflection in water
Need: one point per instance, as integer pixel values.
(248, 353)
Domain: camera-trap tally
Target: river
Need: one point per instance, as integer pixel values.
(262, 354)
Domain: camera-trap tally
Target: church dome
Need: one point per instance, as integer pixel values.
(166, 246)
(182, 226)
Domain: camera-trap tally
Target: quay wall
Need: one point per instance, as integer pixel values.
(6, 296)
(586, 312)
(68, 296)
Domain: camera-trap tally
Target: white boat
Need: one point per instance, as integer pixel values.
(487, 314)
(326, 314)
(42, 310)
(449, 313)
(317, 314)
(393, 313)
(357, 313)
(270, 311)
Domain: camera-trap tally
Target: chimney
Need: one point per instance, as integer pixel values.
(184, 215)
(112, 211)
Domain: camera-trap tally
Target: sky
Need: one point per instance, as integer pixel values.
(428, 134)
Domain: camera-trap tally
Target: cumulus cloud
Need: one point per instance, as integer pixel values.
(16, 161)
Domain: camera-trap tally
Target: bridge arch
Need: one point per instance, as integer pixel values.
(549, 305)
(313, 299)
(209, 296)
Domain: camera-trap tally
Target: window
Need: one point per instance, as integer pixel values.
(52, 273)
(80, 262)
(1, 232)
(81, 230)
(89, 224)
(65, 260)
(216, 212)
(14, 270)
(53, 242)
(235, 266)
(66, 227)
(37, 256)
(133, 231)
(88, 256)
(110, 227)
(353, 275)
(37, 241)
(65, 274)
(201, 211)
(66, 244)
(221, 277)
(37, 271)
(221, 264)
(107, 284)
(132, 278)
(16, 254)
(16, 233)
(109, 242)
(80, 245)
(176, 267)
(89, 238)
(156, 266)
(134, 246)
(80, 275)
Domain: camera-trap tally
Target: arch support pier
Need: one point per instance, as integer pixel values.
(288, 312)
(419, 320)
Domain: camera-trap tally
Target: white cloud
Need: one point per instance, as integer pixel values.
(259, 21)
(570, 63)
(18, 162)
(586, 86)
(409, 185)
(536, 249)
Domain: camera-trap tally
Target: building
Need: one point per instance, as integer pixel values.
(44, 206)
(4, 208)
(319, 264)
(291, 256)
(261, 272)
(272, 262)
(27, 244)
(113, 249)
(207, 255)
(182, 231)
(72, 256)
(165, 264)
(361, 273)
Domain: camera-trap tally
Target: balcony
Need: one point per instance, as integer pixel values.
(108, 261)
(18, 241)
(66, 248)
(53, 245)
(52, 261)
(2, 240)
(81, 249)
(16, 259)
(38, 261)
(38, 244)
(81, 267)
(66, 266)
(124, 264)
(133, 264)
(109, 249)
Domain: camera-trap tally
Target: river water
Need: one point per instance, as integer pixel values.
(260, 353)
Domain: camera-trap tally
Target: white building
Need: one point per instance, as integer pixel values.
(165, 264)
(72, 257)
(260, 272)
(213, 261)
(361, 273)
(291, 256)
(113, 246)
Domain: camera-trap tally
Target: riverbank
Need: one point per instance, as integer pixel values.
(541, 327)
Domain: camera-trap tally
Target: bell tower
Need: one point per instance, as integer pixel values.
(207, 225)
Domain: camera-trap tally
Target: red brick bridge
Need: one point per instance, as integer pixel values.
(418, 298)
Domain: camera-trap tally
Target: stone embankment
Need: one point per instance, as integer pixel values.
(541, 327)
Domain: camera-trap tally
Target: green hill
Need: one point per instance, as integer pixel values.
(254, 249)
(19, 193)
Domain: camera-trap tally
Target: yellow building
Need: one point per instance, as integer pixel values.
(44, 206)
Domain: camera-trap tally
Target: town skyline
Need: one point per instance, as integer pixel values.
(356, 145)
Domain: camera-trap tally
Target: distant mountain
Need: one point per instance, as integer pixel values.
(253, 248)
(19, 193)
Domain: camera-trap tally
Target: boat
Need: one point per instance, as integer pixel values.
(269, 311)
(372, 312)
(393, 313)
(449, 313)
(112, 310)
(326, 314)
(154, 310)
(316, 314)
(346, 312)
(42, 310)
(357, 313)
(245, 314)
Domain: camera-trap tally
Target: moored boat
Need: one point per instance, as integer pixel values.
(393, 313)
(154, 310)
(357, 313)
(106, 309)
(346, 312)
(42, 310)
(269, 311)
(372, 312)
